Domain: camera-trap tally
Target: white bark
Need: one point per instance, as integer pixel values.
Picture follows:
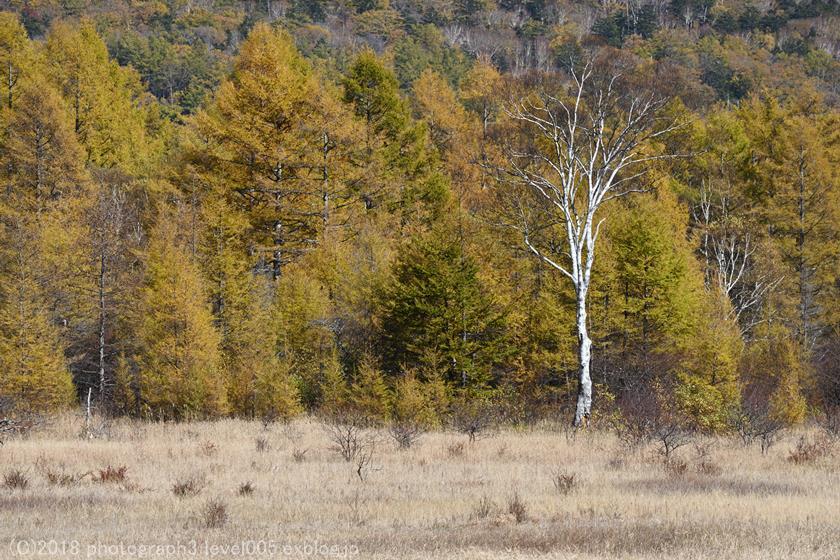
(584, 399)
(728, 253)
(595, 141)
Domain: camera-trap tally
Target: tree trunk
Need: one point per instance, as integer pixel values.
(102, 324)
(277, 257)
(802, 264)
(325, 215)
(11, 82)
(584, 400)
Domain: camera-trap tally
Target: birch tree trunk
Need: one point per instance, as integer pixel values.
(586, 146)
(584, 399)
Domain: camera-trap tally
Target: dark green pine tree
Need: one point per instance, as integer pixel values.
(436, 314)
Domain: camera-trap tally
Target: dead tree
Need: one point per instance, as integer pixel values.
(728, 252)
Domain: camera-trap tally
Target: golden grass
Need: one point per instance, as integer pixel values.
(530, 493)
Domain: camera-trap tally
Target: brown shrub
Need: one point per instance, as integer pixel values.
(15, 479)
(188, 487)
(214, 514)
(111, 475)
(810, 450)
(517, 507)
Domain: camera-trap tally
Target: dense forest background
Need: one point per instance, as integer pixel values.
(262, 208)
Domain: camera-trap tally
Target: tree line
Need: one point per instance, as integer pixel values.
(573, 241)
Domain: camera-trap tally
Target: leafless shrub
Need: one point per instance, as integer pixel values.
(483, 509)
(299, 455)
(517, 507)
(476, 419)
(188, 487)
(15, 479)
(349, 434)
(363, 460)
(111, 475)
(633, 417)
(20, 426)
(754, 423)
(406, 434)
(810, 450)
(830, 422)
(268, 419)
(246, 489)
(670, 436)
(214, 514)
(354, 440)
(564, 482)
(455, 449)
(262, 445)
(647, 414)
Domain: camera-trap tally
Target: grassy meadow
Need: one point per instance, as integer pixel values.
(234, 489)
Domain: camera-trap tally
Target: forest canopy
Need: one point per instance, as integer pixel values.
(264, 208)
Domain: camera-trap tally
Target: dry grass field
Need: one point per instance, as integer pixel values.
(234, 489)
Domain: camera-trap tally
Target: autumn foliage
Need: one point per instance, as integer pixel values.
(276, 232)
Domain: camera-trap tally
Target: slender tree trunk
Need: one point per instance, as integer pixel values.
(325, 215)
(102, 323)
(39, 167)
(801, 262)
(277, 264)
(11, 82)
(77, 106)
(584, 399)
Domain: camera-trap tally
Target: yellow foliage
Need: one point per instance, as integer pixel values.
(179, 362)
(103, 97)
(335, 394)
(414, 401)
(33, 370)
(369, 393)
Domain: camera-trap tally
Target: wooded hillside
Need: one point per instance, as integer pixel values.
(422, 210)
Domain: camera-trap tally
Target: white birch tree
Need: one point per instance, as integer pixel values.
(583, 148)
